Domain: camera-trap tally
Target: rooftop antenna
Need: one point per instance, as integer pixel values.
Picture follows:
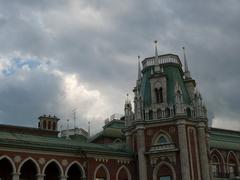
(89, 129)
(74, 117)
(67, 134)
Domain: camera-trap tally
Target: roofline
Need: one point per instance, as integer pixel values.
(221, 129)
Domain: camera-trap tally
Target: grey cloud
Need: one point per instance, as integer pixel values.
(105, 57)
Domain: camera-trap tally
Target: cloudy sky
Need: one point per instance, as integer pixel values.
(59, 55)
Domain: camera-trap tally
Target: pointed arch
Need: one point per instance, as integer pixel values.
(34, 162)
(80, 167)
(159, 165)
(160, 133)
(126, 169)
(58, 165)
(232, 164)
(220, 167)
(11, 162)
(105, 168)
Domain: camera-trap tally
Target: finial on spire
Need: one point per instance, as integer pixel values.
(139, 69)
(186, 71)
(156, 53)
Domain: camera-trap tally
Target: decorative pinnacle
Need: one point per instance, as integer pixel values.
(156, 53)
(139, 69)
(187, 72)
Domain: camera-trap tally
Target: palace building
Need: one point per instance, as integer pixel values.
(165, 136)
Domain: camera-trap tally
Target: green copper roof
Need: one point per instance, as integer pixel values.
(224, 139)
(173, 75)
(26, 141)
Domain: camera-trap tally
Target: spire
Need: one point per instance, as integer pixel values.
(139, 69)
(156, 53)
(186, 71)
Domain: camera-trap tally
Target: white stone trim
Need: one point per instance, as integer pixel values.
(58, 164)
(222, 158)
(157, 167)
(79, 165)
(31, 159)
(105, 168)
(11, 162)
(126, 169)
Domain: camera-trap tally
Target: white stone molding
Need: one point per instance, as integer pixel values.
(11, 162)
(105, 168)
(58, 165)
(126, 169)
(79, 166)
(40, 176)
(17, 159)
(158, 166)
(34, 162)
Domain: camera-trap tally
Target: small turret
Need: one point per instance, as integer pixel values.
(128, 111)
(48, 122)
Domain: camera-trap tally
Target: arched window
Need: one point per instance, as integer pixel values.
(44, 125)
(159, 113)
(159, 95)
(6, 169)
(167, 112)
(162, 140)
(189, 113)
(215, 166)
(49, 124)
(150, 114)
(54, 126)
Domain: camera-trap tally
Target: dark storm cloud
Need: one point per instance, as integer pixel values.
(100, 40)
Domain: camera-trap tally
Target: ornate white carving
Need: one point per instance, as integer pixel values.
(41, 161)
(17, 159)
(64, 162)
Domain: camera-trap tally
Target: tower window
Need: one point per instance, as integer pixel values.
(162, 140)
(159, 113)
(167, 112)
(189, 114)
(44, 125)
(159, 95)
(150, 114)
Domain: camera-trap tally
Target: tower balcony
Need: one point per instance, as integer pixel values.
(162, 59)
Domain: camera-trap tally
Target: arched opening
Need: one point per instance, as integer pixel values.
(216, 172)
(167, 112)
(150, 113)
(159, 113)
(74, 172)
(52, 172)
(189, 113)
(101, 173)
(6, 169)
(44, 125)
(123, 174)
(164, 171)
(28, 171)
(232, 164)
(159, 95)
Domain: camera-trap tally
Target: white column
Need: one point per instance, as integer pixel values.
(203, 151)
(184, 158)
(15, 176)
(141, 157)
(40, 176)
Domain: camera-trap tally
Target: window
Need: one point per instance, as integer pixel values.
(189, 114)
(159, 95)
(165, 178)
(150, 114)
(167, 112)
(159, 113)
(162, 140)
(44, 125)
(215, 167)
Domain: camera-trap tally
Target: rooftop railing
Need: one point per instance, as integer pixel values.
(163, 59)
(160, 147)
